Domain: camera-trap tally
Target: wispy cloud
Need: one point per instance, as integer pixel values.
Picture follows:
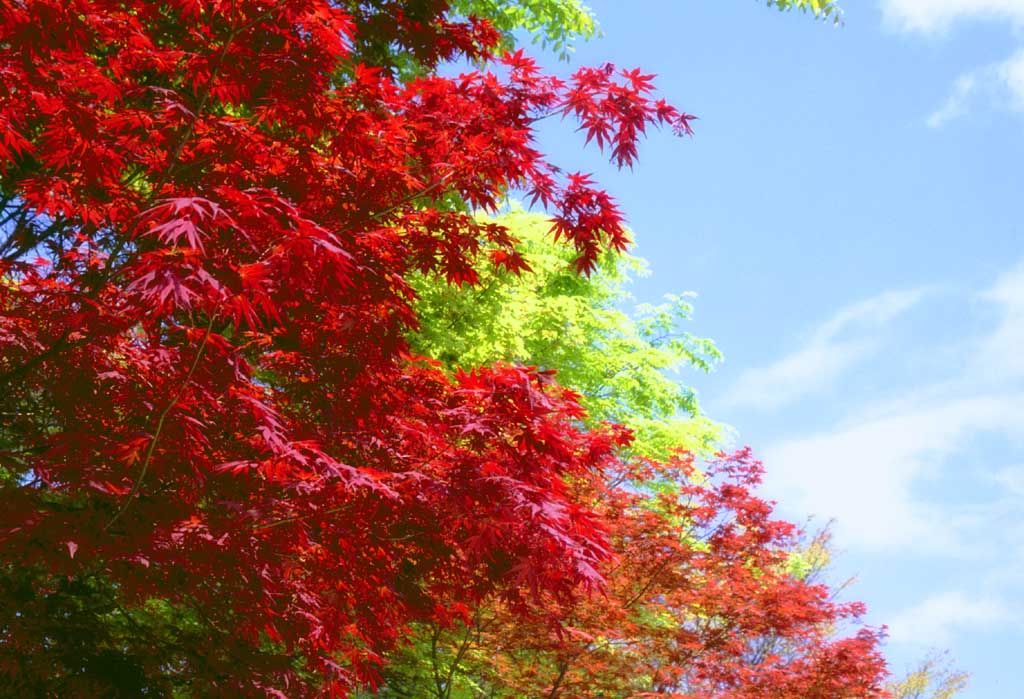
(1000, 354)
(1012, 478)
(935, 620)
(956, 104)
(937, 16)
(1001, 84)
(1011, 73)
(901, 477)
(850, 336)
(868, 471)
(870, 313)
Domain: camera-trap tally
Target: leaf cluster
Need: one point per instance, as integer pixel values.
(821, 9)
(625, 368)
(554, 24)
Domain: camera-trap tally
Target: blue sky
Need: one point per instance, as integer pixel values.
(850, 213)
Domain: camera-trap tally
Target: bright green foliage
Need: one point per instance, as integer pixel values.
(554, 318)
(823, 9)
(555, 24)
(812, 557)
(934, 678)
(439, 663)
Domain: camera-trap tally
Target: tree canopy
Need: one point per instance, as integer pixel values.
(625, 369)
(626, 642)
(252, 441)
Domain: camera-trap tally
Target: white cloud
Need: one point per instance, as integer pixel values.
(1001, 83)
(1000, 355)
(934, 621)
(865, 473)
(871, 471)
(936, 16)
(956, 104)
(871, 312)
(795, 376)
(1011, 74)
(825, 357)
(1011, 478)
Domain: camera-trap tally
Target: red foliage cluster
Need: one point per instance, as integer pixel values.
(698, 603)
(209, 417)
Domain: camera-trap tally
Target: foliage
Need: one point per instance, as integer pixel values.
(664, 523)
(933, 678)
(824, 9)
(698, 603)
(554, 318)
(226, 473)
(552, 23)
(210, 208)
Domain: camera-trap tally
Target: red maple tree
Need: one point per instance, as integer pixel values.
(222, 472)
(699, 601)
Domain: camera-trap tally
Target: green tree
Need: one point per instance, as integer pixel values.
(554, 24)
(623, 366)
